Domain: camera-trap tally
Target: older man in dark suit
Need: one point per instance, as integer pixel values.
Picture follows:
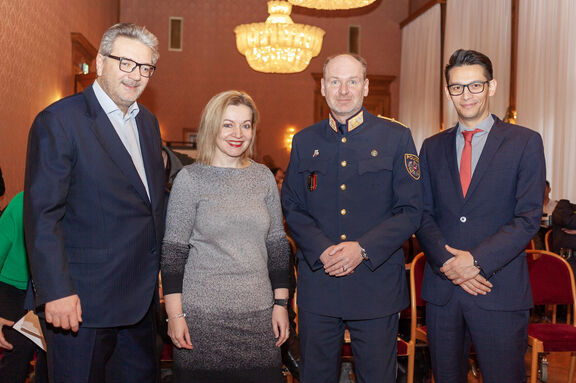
(482, 182)
(94, 200)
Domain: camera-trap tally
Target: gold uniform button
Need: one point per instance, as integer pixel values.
(343, 163)
(343, 237)
(343, 187)
(374, 153)
(343, 212)
(343, 140)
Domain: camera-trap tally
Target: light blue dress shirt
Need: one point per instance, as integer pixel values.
(478, 140)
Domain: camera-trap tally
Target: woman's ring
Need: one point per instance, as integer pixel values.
(344, 268)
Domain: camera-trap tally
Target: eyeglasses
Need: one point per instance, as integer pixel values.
(128, 66)
(474, 88)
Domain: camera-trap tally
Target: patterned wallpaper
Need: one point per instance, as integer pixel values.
(36, 67)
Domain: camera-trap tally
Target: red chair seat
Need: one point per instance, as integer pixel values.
(402, 347)
(346, 350)
(167, 352)
(555, 337)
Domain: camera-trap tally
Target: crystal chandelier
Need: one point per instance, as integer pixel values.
(331, 4)
(278, 45)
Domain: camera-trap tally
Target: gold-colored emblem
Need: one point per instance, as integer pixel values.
(374, 153)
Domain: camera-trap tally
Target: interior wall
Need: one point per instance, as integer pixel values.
(36, 67)
(210, 63)
(415, 5)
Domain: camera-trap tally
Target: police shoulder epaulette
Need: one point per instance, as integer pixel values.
(391, 119)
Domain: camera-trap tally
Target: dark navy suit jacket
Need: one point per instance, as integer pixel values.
(90, 227)
(383, 208)
(496, 220)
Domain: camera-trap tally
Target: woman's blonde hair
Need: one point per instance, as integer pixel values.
(211, 121)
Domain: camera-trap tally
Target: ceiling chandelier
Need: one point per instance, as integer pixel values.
(332, 4)
(278, 45)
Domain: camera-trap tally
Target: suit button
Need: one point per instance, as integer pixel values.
(343, 140)
(462, 219)
(343, 212)
(343, 187)
(343, 163)
(343, 237)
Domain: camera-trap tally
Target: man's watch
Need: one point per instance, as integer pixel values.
(281, 302)
(476, 264)
(363, 254)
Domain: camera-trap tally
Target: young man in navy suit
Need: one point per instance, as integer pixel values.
(482, 183)
(93, 211)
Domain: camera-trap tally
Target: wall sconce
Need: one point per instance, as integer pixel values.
(511, 115)
(288, 136)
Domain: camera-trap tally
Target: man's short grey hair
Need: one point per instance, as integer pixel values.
(131, 31)
(355, 56)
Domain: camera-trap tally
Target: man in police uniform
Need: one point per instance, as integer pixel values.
(351, 197)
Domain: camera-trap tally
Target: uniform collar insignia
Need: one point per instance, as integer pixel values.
(351, 123)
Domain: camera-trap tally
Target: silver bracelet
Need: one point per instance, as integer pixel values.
(183, 315)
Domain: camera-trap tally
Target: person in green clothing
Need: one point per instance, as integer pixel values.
(18, 350)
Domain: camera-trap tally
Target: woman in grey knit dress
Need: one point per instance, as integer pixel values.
(225, 255)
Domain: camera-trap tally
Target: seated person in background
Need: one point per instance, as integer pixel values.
(564, 231)
(173, 163)
(2, 186)
(549, 204)
(18, 350)
(278, 176)
(546, 221)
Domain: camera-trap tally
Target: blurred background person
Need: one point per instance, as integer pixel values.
(173, 163)
(564, 231)
(225, 255)
(549, 204)
(2, 188)
(18, 351)
(278, 176)
(546, 221)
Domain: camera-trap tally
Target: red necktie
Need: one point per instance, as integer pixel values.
(466, 160)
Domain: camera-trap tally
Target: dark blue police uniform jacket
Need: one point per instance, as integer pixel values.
(362, 186)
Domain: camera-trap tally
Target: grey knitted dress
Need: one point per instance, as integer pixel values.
(225, 249)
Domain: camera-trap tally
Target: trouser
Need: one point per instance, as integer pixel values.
(500, 340)
(124, 354)
(373, 344)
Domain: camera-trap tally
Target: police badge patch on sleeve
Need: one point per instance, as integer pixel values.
(412, 164)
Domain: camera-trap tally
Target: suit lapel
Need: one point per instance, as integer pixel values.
(147, 141)
(493, 142)
(452, 159)
(108, 138)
